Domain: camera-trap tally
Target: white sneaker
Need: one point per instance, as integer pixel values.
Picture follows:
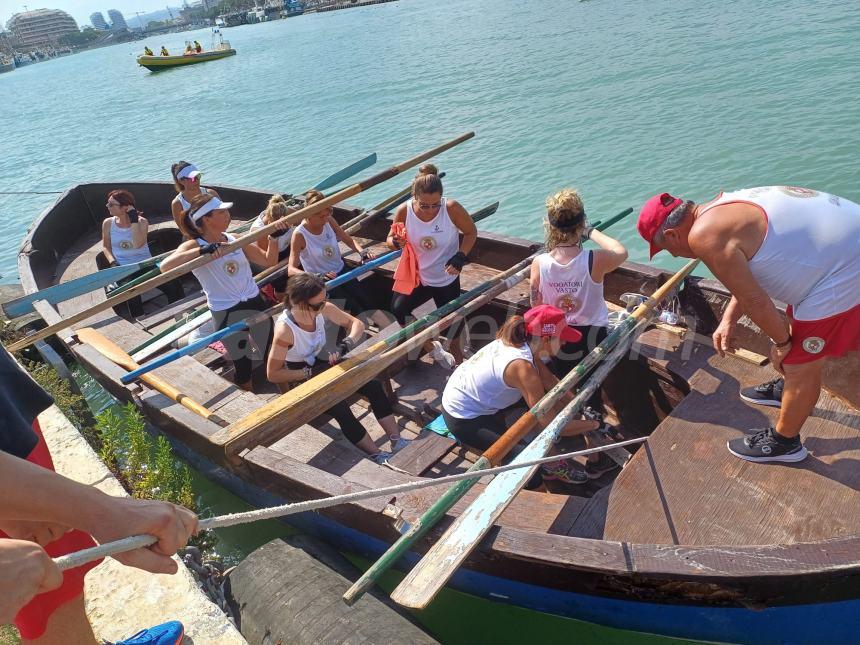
(400, 444)
(441, 357)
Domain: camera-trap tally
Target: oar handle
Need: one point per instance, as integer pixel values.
(171, 392)
(362, 269)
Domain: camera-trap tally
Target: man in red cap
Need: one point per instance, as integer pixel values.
(795, 245)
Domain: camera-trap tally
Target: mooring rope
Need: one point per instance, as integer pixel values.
(79, 558)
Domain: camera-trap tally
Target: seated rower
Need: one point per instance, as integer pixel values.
(186, 180)
(197, 47)
(502, 374)
(275, 210)
(227, 281)
(433, 226)
(189, 50)
(297, 354)
(124, 238)
(315, 247)
(164, 51)
(147, 51)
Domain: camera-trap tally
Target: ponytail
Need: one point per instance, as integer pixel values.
(276, 209)
(513, 333)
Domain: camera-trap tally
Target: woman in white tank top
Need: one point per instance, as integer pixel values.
(571, 278)
(299, 345)
(276, 209)
(433, 228)
(227, 281)
(186, 179)
(124, 241)
(506, 371)
(315, 249)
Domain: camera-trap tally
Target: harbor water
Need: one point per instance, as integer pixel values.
(619, 99)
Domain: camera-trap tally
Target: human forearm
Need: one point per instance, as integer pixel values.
(761, 310)
(178, 259)
(605, 242)
(733, 311)
(468, 242)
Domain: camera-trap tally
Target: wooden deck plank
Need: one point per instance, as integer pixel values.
(424, 451)
(684, 487)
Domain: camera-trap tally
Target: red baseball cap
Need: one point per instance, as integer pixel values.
(546, 320)
(653, 214)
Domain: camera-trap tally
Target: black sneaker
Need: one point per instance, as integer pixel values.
(769, 393)
(762, 445)
(594, 469)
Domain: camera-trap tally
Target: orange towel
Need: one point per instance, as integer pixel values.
(406, 274)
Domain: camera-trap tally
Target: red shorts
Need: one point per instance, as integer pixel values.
(829, 337)
(32, 619)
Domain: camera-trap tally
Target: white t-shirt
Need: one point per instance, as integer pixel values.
(570, 287)
(435, 242)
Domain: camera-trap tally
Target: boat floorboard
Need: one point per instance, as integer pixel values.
(684, 487)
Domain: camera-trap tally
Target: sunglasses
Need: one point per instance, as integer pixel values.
(112, 204)
(426, 206)
(318, 306)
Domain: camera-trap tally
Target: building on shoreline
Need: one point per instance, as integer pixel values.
(117, 20)
(40, 27)
(98, 21)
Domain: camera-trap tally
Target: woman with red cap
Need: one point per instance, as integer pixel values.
(505, 372)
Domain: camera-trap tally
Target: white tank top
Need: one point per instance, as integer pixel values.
(321, 253)
(283, 241)
(435, 242)
(477, 387)
(228, 280)
(306, 344)
(810, 256)
(122, 245)
(570, 287)
(185, 203)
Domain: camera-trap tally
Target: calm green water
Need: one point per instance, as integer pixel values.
(620, 99)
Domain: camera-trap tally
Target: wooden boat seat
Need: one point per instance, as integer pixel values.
(684, 487)
(422, 453)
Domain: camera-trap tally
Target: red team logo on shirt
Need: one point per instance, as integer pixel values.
(125, 245)
(428, 243)
(328, 252)
(231, 268)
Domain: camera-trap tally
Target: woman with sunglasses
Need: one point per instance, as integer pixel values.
(227, 280)
(124, 238)
(433, 226)
(186, 179)
(314, 249)
(298, 353)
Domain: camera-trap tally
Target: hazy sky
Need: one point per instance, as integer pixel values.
(81, 9)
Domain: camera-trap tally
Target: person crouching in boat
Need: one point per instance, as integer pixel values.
(124, 238)
(276, 209)
(786, 243)
(227, 281)
(314, 249)
(164, 51)
(147, 52)
(502, 374)
(433, 226)
(198, 48)
(186, 179)
(298, 353)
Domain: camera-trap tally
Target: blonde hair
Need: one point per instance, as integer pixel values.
(276, 209)
(427, 181)
(565, 218)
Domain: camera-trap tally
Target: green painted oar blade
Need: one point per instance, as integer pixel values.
(346, 173)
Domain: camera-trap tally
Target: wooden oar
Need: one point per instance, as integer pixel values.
(250, 321)
(85, 284)
(434, 570)
(492, 456)
(308, 399)
(293, 218)
(115, 353)
(192, 321)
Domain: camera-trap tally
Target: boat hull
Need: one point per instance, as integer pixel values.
(158, 63)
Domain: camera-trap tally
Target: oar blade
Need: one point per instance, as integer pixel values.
(68, 290)
(106, 347)
(346, 173)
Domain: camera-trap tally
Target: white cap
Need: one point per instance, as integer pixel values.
(208, 207)
(189, 172)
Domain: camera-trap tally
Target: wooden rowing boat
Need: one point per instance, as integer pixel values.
(685, 541)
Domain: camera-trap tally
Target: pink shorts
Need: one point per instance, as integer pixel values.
(829, 337)
(32, 619)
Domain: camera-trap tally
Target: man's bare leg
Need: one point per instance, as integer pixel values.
(799, 396)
